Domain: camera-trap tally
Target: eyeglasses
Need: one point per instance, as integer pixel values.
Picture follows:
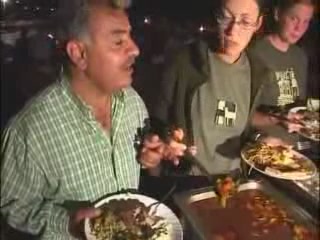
(226, 21)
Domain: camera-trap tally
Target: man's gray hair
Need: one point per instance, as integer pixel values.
(73, 15)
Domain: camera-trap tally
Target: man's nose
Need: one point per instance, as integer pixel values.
(133, 49)
(300, 27)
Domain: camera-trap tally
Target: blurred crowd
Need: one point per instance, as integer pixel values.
(30, 56)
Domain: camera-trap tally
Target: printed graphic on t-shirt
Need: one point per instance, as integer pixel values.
(226, 113)
(288, 86)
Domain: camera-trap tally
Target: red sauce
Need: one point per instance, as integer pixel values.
(246, 217)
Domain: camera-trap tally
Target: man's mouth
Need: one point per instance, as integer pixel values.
(230, 43)
(129, 66)
(295, 36)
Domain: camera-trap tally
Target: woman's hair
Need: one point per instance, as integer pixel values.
(212, 37)
(262, 6)
(218, 6)
(284, 5)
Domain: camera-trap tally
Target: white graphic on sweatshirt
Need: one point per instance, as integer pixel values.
(288, 86)
(226, 113)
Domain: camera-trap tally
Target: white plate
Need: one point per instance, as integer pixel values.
(277, 174)
(174, 227)
(297, 109)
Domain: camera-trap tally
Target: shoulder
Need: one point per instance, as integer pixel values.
(134, 101)
(299, 53)
(27, 131)
(257, 46)
(40, 110)
(132, 95)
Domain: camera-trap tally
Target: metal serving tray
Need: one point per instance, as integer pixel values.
(183, 199)
(311, 187)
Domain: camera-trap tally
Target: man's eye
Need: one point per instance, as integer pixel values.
(246, 23)
(293, 18)
(228, 18)
(118, 42)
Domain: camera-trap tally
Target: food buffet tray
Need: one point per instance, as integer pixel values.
(311, 187)
(305, 193)
(184, 199)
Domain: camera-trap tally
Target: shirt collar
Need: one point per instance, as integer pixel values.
(81, 105)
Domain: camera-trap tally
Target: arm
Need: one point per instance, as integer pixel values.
(23, 184)
(260, 119)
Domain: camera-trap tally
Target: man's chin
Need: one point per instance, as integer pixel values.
(125, 83)
(293, 41)
(230, 51)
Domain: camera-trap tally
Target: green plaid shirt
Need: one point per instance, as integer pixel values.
(55, 151)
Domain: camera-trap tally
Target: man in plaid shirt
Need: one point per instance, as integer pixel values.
(75, 141)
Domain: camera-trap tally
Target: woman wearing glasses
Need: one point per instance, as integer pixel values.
(286, 61)
(206, 90)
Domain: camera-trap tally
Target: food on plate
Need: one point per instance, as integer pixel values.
(250, 215)
(311, 124)
(128, 219)
(277, 160)
(225, 189)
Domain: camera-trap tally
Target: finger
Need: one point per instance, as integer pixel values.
(178, 134)
(176, 145)
(289, 146)
(177, 152)
(294, 127)
(273, 119)
(153, 148)
(149, 165)
(295, 116)
(152, 138)
(150, 159)
(176, 162)
(152, 143)
(171, 156)
(87, 213)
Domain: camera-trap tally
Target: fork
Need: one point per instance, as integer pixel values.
(164, 198)
(303, 145)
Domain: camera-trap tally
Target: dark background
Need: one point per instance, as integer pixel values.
(30, 56)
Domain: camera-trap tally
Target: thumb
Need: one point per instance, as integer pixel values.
(176, 162)
(87, 213)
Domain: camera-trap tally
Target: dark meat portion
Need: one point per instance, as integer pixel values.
(126, 219)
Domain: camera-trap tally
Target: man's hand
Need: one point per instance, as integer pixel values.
(293, 124)
(154, 150)
(76, 226)
(173, 151)
(260, 119)
(273, 141)
(151, 152)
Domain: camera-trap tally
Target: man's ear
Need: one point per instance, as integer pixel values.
(76, 51)
(259, 23)
(276, 14)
